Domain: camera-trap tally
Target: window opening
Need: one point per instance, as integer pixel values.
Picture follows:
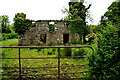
(51, 26)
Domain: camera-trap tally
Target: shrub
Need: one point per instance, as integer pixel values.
(106, 62)
(78, 52)
(66, 51)
(73, 51)
(9, 36)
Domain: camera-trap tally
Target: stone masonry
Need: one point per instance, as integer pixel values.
(40, 34)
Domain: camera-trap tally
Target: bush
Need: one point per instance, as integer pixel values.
(78, 52)
(9, 36)
(106, 62)
(73, 51)
(66, 52)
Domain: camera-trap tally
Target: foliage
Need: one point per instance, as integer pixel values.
(93, 31)
(77, 15)
(5, 24)
(66, 52)
(51, 27)
(112, 15)
(106, 61)
(11, 27)
(78, 52)
(75, 52)
(9, 36)
(21, 24)
(77, 26)
(77, 9)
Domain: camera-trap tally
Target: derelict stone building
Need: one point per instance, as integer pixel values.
(41, 34)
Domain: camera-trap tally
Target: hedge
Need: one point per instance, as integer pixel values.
(9, 36)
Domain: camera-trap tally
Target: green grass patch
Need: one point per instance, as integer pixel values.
(9, 42)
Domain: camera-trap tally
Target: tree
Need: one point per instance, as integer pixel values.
(112, 15)
(21, 24)
(106, 61)
(77, 16)
(5, 24)
(77, 26)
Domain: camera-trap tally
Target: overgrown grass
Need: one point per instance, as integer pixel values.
(48, 52)
(9, 42)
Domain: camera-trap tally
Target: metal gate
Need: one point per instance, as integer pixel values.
(59, 61)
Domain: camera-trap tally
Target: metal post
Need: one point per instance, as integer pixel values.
(58, 63)
(19, 65)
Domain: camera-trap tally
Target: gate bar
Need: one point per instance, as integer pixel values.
(32, 47)
(45, 57)
(19, 65)
(58, 63)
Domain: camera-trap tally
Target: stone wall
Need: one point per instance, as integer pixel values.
(33, 36)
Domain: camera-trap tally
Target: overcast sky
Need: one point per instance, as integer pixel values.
(49, 9)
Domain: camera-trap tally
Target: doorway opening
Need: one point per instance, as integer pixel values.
(43, 38)
(65, 38)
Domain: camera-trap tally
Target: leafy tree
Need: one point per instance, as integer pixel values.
(106, 62)
(77, 26)
(21, 24)
(5, 24)
(77, 15)
(112, 15)
(77, 9)
(11, 27)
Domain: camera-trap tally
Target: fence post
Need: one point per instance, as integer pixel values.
(58, 63)
(19, 65)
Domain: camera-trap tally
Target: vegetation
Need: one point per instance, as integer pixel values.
(21, 24)
(77, 26)
(9, 36)
(6, 27)
(106, 61)
(51, 28)
(76, 16)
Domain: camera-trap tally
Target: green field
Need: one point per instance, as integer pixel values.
(47, 52)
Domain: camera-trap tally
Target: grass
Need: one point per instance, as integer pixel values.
(41, 62)
(9, 42)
